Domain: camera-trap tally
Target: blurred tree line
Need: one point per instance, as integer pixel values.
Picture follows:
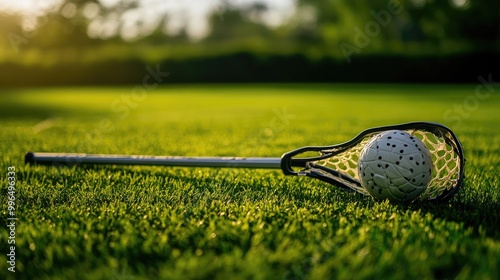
(323, 40)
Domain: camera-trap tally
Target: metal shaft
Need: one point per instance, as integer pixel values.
(75, 159)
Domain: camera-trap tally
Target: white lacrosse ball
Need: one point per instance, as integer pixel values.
(395, 165)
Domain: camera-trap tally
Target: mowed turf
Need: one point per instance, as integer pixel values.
(119, 222)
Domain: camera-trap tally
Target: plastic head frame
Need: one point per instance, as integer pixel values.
(337, 164)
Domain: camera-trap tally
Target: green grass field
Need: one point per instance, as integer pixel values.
(119, 222)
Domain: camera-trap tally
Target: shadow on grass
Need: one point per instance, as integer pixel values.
(482, 216)
(14, 108)
(26, 112)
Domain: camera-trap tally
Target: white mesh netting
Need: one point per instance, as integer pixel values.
(445, 173)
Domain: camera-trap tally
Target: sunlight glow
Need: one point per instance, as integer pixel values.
(191, 16)
(461, 4)
(69, 10)
(30, 7)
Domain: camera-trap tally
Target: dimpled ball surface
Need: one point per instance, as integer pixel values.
(395, 165)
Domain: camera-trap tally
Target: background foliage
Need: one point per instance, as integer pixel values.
(386, 40)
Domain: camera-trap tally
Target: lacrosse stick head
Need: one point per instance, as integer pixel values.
(338, 164)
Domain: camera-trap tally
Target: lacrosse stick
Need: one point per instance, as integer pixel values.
(336, 164)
